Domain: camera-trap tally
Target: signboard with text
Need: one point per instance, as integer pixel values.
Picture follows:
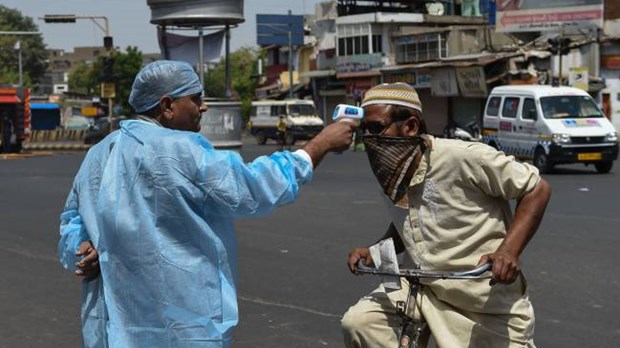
(578, 77)
(472, 82)
(542, 15)
(417, 78)
(443, 83)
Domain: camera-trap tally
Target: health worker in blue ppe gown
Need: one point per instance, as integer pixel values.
(149, 219)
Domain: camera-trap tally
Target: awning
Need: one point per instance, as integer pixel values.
(318, 73)
(44, 106)
(357, 74)
(9, 99)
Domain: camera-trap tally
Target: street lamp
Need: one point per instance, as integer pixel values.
(18, 48)
(107, 44)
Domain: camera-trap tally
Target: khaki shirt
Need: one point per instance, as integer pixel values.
(458, 211)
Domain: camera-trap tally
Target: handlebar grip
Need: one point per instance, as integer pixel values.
(475, 272)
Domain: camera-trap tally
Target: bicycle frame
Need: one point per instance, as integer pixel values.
(412, 329)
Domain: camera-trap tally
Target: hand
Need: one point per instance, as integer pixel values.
(506, 267)
(338, 135)
(88, 266)
(356, 255)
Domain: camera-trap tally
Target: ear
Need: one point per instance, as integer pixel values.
(412, 126)
(165, 106)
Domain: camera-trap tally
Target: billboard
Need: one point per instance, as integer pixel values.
(274, 29)
(542, 15)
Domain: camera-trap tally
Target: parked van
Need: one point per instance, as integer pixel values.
(551, 125)
(300, 115)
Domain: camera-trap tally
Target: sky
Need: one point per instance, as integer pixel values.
(129, 21)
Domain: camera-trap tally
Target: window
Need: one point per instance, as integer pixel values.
(529, 109)
(376, 44)
(277, 110)
(511, 105)
(353, 39)
(493, 106)
(301, 110)
(569, 107)
(262, 110)
(421, 47)
(349, 42)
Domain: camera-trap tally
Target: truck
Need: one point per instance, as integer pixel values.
(15, 125)
(300, 116)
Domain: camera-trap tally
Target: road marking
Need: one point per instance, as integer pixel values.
(288, 306)
(29, 255)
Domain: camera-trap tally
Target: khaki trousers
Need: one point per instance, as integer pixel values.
(374, 323)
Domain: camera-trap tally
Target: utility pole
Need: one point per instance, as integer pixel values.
(290, 59)
(560, 46)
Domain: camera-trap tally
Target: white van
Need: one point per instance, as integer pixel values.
(301, 118)
(551, 125)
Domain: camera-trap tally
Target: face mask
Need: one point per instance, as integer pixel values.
(394, 161)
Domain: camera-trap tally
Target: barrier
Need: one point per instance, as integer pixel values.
(57, 139)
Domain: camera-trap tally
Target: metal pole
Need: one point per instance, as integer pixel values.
(290, 64)
(560, 55)
(228, 80)
(19, 55)
(597, 55)
(201, 58)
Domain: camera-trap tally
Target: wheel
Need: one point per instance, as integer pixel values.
(603, 167)
(261, 139)
(289, 139)
(541, 161)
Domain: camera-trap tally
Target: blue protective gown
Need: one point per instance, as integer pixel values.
(159, 206)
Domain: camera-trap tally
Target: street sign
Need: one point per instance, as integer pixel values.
(274, 29)
(89, 111)
(108, 90)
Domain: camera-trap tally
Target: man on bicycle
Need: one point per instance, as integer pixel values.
(449, 202)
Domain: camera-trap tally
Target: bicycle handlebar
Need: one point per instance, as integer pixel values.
(477, 273)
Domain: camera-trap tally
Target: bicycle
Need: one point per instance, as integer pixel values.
(411, 329)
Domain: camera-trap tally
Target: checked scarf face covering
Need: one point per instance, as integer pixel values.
(394, 161)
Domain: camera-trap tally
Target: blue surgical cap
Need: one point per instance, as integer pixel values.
(160, 78)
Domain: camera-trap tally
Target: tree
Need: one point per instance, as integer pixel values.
(34, 54)
(82, 79)
(86, 78)
(126, 67)
(243, 80)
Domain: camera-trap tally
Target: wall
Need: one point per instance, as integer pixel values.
(435, 111)
(612, 80)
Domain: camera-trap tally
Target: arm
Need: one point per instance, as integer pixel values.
(364, 253)
(72, 233)
(234, 188)
(75, 251)
(528, 215)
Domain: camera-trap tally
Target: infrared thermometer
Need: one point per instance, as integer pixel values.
(349, 113)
